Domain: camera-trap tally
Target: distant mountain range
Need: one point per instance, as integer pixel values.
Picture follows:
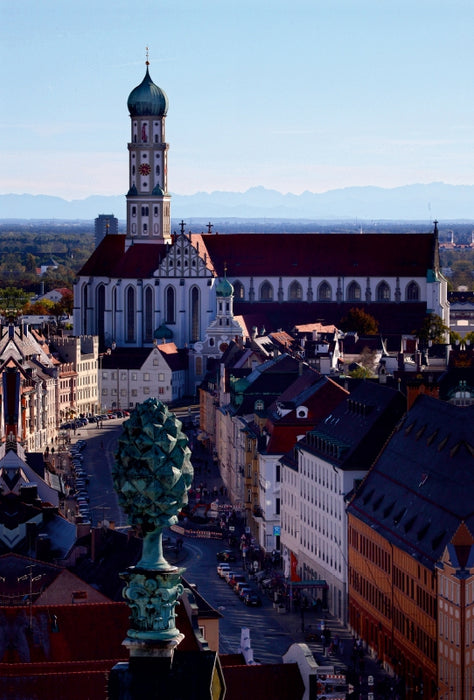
(410, 202)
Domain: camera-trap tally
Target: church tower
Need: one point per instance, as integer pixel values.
(148, 200)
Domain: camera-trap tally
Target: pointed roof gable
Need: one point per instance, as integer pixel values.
(299, 408)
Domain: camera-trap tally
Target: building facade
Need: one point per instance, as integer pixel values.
(410, 552)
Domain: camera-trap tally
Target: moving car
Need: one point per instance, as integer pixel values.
(253, 600)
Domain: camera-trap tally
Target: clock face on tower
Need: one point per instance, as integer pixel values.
(144, 169)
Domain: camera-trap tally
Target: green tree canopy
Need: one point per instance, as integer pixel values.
(432, 330)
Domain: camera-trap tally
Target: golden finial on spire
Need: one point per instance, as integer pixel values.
(147, 61)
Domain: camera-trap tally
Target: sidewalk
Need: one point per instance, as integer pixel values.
(362, 670)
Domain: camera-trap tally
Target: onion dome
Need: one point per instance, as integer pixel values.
(163, 333)
(147, 99)
(224, 288)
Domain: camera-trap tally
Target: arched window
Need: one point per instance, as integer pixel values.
(324, 292)
(85, 299)
(354, 292)
(100, 311)
(194, 304)
(130, 314)
(266, 292)
(114, 312)
(295, 291)
(238, 290)
(170, 305)
(413, 292)
(148, 317)
(383, 292)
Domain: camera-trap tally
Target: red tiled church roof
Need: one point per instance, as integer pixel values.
(288, 254)
(320, 254)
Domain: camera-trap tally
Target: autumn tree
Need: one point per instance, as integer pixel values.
(358, 321)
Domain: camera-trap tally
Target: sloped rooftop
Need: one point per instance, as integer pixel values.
(421, 487)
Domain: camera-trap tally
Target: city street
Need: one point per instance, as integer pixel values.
(272, 630)
(269, 639)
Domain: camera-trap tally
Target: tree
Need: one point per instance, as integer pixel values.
(12, 302)
(360, 322)
(42, 307)
(432, 330)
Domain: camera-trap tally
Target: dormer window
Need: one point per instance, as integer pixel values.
(302, 412)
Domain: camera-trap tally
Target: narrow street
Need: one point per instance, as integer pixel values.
(272, 629)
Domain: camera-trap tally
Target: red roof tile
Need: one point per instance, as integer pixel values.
(287, 254)
(320, 255)
(275, 681)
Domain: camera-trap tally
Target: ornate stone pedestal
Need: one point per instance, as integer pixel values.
(152, 597)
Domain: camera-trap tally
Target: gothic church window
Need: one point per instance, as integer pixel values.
(266, 292)
(170, 305)
(238, 290)
(194, 299)
(148, 329)
(130, 315)
(100, 307)
(85, 328)
(383, 292)
(354, 292)
(295, 292)
(413, 292)
(324, 292)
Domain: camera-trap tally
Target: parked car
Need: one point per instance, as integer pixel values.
(222, 568)
(253, 600)
(228, 575)
(226, 555)
(236, 578)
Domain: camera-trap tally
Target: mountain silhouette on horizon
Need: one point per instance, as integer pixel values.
(416, 202)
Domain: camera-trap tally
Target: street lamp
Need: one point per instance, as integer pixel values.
(29, 576)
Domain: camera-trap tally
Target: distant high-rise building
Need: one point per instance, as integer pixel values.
(104, 225)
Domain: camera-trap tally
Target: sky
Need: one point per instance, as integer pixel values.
(307, 95)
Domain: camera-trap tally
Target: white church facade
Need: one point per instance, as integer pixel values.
(150, 284)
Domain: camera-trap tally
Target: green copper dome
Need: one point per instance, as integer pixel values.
(224, 288)
(147, 99)
(163, 333)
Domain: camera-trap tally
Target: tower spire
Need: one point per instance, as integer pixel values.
(147, 62)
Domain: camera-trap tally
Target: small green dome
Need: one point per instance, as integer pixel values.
(163, 333)
(224, 288)
(147, 99)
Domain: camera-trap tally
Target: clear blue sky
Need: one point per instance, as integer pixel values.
(298, 95)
